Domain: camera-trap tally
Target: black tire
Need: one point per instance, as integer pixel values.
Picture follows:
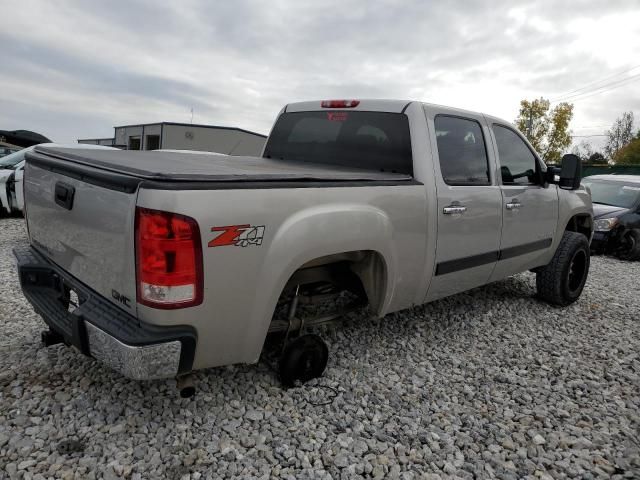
(561, 281)
(629, 247)
(303, 359)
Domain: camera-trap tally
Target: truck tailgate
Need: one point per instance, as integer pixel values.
(86, 229)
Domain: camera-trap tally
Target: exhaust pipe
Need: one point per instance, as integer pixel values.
(185, 385)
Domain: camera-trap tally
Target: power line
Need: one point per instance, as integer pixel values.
(594, 82)
(604, 86)
(591, 126)
(600, 89)
(612, 86)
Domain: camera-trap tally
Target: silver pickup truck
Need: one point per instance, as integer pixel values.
(162, 263)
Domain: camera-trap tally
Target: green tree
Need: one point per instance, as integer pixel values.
(596, 159)
(584, 150)
(629, 154)
(546, 128)
(619, 135)
(587, 154)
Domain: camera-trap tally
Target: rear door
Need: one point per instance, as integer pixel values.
(530, 210)
(469, 204)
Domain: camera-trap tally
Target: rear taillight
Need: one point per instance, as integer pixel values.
(339, 103)
(168, 259)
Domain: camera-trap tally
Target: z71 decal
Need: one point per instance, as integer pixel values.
(238, 235)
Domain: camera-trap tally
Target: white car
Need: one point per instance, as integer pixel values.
(12, 173)
(7, 150)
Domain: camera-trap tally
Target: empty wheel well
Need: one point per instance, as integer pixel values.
(580, 223)
(363, 273)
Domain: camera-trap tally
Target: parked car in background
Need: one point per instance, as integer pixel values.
(616, 213)
(7, 149)
(12, 173)
(9, 164)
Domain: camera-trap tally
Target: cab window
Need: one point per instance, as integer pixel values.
(355, 139)
(462, 152)
(518, 165)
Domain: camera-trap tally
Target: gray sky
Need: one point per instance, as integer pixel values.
(73, 69)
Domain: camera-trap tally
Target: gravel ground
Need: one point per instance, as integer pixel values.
(490, 383)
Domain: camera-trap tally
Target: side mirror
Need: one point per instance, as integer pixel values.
(570, 172)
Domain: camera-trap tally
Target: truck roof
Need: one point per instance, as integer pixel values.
(375, 105)
(385, 105)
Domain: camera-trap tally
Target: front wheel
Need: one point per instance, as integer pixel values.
(629, 247)
(561, 281)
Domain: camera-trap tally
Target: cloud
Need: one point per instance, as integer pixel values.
(75, 69)
(44, 61)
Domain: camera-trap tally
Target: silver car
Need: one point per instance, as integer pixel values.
(12, 173)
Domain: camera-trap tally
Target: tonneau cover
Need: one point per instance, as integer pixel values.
(183, 166)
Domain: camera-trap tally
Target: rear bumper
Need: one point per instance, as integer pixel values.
(97, 328)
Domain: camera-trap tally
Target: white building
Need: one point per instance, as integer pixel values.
(184, 136)
(107, 142)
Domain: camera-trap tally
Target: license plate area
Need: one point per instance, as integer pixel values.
(70, 297)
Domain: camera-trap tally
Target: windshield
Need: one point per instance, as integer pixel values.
(12, 159)
(6, 151)
(614, 194)
(369, 140)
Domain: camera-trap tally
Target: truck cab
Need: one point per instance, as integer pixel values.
(491, 208)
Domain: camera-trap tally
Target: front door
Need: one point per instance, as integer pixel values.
(469, 206)
(530, 210)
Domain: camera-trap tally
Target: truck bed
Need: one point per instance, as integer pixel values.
(189, 167)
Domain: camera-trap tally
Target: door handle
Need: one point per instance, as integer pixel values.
(513, 205)
(63, 195)
(453, 209)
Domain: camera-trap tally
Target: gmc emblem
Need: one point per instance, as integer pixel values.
(118, 297)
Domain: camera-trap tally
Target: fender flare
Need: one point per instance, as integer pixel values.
(314, 233)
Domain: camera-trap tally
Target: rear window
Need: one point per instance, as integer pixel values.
(369, 140)
(462, 152)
